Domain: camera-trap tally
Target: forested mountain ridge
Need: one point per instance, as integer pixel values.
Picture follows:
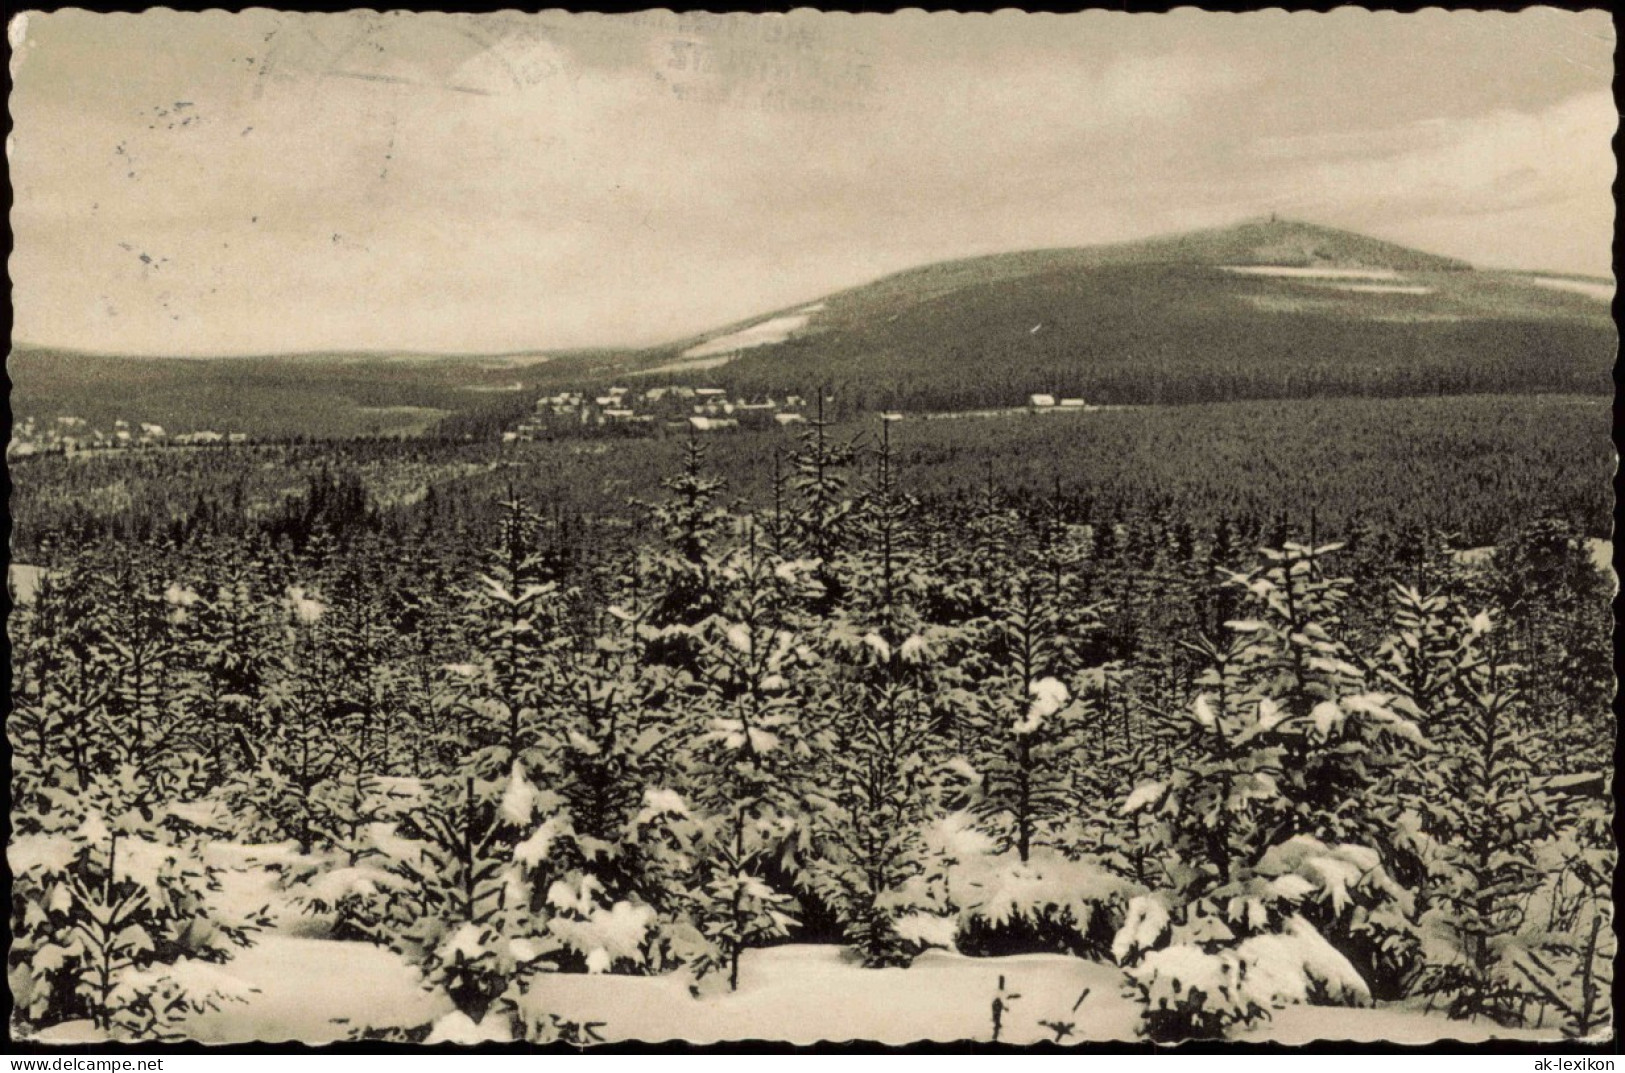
(1268, 309)
(279, 396)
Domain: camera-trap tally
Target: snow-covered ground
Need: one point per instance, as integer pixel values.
(305, 990)
(317, 991)
(24, 581)
(1379, 288)
(1312, 273)
(1356, 280)
(296, 985)
(722, 349)
(1305, 1024)
(767, 333)
(805, 994)
(1601, 553)
(1602, 292)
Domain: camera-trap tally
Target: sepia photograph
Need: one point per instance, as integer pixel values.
(1061, 531)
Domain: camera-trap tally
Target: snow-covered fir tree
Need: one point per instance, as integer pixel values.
(1269, 822)
(510, 611)
(1487, 823)
(820, 520)
(1030, 733)
(749, 754)
(875, 719)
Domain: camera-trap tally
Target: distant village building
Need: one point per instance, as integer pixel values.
(1040, 401)
(656, 394)
(665, 407)
(712, 424)
(1073, 404)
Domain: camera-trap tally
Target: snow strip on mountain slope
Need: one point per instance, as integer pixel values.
(1378, 288)
(1312, 273)
(1602, 292)
(766, 333)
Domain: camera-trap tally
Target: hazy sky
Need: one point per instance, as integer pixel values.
(219, 183)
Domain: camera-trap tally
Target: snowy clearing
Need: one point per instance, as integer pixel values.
(1601, 553)
(306, 990)
(1602, 292)
(806, 994)
(766, 333)
(24, 581)
(1379, 288)
(1312, 273)
(317, 991)
(1297, 1025)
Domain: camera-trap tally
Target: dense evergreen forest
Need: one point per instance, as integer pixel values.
(1473, 467)
(1239, 714)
